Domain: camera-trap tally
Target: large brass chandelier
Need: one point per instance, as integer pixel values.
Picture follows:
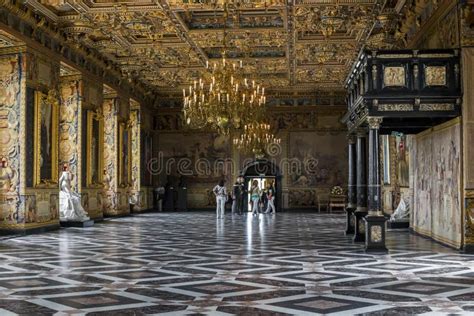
(256, 139)
(223, 99)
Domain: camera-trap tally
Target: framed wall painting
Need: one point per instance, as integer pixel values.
(45, 139)
(94, 150)
(125, 166)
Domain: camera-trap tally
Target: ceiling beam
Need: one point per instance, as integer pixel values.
(181, 29)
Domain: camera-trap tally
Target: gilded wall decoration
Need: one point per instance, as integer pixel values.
(12, 83)
(10, 87)
(110, 154)
(69, 144)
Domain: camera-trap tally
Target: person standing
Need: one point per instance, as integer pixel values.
(255, 196)
(238, 192)
(270, 199)
(221, 196)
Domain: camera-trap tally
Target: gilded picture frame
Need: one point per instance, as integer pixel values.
(46, 120)
(125, 155)
(95, 149)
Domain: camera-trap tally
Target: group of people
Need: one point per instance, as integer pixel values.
(259, 199)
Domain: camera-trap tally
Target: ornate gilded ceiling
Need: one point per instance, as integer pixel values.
(300, 45)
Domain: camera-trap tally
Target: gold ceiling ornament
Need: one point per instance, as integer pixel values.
(332, 20)
(223, 98)
(256, 139)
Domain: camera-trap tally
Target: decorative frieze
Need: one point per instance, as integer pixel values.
(436, 107)
(395, 107)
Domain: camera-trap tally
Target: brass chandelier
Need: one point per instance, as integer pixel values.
(223, 98)
(256, 139)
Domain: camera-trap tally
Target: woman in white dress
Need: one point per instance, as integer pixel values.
(70, 208)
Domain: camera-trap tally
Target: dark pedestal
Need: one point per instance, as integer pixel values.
(182, 200)
(84, 224)
(468, 249)
(349, 221)
(168, 204)
(375, 233)
(398, 224)
(359, 226)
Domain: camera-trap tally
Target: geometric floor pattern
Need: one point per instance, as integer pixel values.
(189, 263)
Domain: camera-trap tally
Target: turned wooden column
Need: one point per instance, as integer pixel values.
(351, 186)
(361, 186)
(375, 220)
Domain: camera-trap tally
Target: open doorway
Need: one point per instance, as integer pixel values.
(265, 172)
(263, 184)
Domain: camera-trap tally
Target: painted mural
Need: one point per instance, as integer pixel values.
(437, 204)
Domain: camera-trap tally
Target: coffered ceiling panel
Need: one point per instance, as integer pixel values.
(301, 45)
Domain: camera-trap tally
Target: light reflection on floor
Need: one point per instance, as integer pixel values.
(192, 263)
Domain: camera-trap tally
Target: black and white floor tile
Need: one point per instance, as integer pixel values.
(191, 263)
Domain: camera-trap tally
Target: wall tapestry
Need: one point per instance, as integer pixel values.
(438, 211)
(206, 154)
(322, 159)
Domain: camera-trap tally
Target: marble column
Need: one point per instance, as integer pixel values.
(361, 186)
(351, 187)
(375, 220)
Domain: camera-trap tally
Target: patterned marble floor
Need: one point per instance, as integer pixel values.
(193, 264)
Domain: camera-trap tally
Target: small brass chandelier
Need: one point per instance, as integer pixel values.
(256, 138)
(223, 98)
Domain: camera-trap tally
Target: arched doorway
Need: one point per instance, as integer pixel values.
(264, 171)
